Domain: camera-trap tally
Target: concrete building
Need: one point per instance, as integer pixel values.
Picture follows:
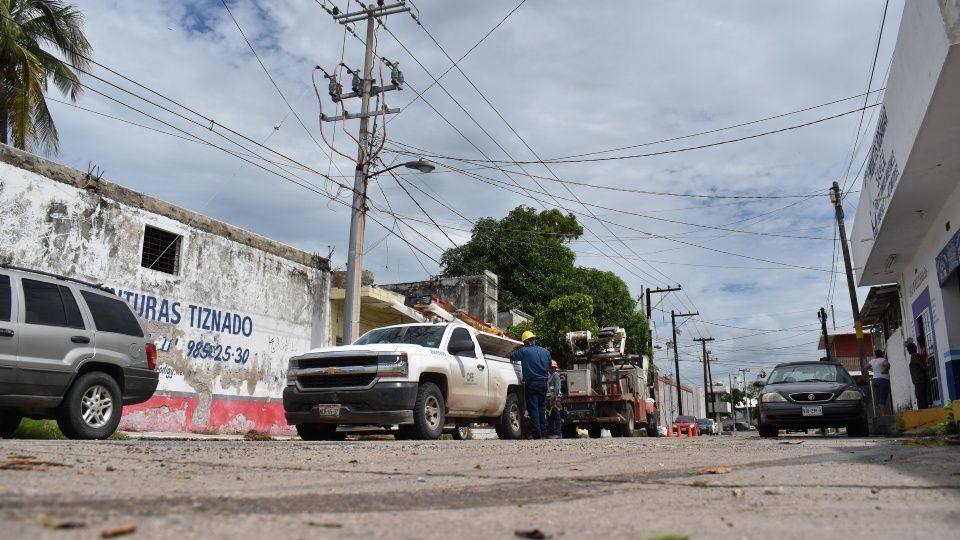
(844, 349)
(476, 295)
(227, 308)
(905, 231)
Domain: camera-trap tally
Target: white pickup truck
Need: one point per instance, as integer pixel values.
(423, 378)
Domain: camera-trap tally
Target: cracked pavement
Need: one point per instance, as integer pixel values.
(794, 487)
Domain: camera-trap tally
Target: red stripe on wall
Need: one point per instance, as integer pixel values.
(222, 416)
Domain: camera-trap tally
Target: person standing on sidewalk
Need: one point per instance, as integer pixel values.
(535, 367)
(553, 402)
(880, 367)
(918, 374)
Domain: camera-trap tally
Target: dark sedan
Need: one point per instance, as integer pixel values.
(810, 395)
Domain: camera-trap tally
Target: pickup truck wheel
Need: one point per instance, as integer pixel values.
(9, 422)
(509, 427)
(595, 432)
(626, 429)
(569, 431)
(428, 413)
(461, 432)
(91, 408)
(320, 432)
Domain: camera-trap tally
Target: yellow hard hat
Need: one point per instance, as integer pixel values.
(528, 335)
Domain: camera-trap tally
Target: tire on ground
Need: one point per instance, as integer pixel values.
(510, 427)
(768, 431)
(461, 432)
(652, 430)
(595, 431)
(320, 432)
(429, 413)
(569, 431)
(91, 408)
(860, 429)
(626, 429)
(9, 422)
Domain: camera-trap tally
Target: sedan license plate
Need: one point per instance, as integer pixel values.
(812, 410)
(328, 410)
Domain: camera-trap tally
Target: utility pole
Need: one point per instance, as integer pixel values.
(363, 87)
(745, 398)
(713, 399)
(706, 397)
(837, 199)
(733, 407)
(658, 290)
(676, 355)
(822, 315)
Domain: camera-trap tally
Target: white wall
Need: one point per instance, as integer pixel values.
(278, 303)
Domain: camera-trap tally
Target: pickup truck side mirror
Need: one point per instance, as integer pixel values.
(758, 384)
(460, 345)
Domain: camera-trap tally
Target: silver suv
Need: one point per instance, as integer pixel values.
(69, 350)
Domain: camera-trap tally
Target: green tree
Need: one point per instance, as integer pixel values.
(563, 314)
(527, 251)
(29, 29)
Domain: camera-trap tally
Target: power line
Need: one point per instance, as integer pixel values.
(428, 153)
(717, 130)
(534, 153)
(455, 64)
(662, 152)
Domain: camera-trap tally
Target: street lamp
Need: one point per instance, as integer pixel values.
(351, 298)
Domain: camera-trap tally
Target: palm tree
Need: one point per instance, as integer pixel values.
(27, 29)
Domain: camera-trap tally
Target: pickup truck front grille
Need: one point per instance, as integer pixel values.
(309, 363)
(316, 382)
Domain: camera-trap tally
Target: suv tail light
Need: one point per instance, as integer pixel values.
(151, 350)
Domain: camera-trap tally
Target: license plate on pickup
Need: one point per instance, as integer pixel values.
(812, 410)
(328, 410)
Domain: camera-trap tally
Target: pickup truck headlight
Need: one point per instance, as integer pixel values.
(773, 397)
(394, 365)
(292, 372)
(850, 395)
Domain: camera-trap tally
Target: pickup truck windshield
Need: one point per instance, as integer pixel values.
(427, 336)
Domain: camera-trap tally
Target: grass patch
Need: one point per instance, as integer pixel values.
(47, 430)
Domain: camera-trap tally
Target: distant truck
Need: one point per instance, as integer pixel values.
(607, 388)
(425, 379)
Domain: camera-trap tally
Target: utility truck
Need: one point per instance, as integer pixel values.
(416, 381)
(607, 388)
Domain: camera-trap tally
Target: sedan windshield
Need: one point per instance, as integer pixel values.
(804, 373)
(425, 335)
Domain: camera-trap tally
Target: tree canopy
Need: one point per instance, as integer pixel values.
(527, 251)
(29, 30)
(537, 274)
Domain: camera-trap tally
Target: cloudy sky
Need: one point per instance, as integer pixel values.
(567, 78)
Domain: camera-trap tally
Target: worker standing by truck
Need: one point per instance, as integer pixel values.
(553, 402)
(535, 365)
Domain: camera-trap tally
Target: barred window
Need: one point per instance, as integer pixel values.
(161, 250)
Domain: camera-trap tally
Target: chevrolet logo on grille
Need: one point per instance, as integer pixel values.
(811, 397)
(334, 371)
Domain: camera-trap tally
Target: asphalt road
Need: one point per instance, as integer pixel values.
(796, 487)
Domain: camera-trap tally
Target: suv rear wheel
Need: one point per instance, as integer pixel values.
(91, 408)
(9, 422)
